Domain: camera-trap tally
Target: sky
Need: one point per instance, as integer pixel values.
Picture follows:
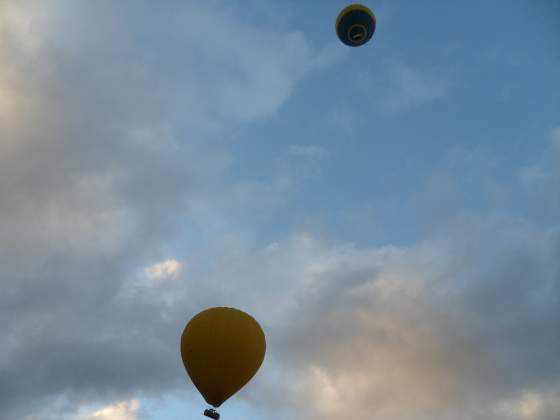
(390, 214)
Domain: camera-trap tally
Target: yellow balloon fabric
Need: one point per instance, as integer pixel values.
(222, 349)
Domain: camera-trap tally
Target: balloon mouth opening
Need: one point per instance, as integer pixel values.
(214, 403)
(357, 33)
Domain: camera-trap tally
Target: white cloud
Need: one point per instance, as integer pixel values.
(531, 405)
(165, 270)
(23, 23)
(123, 410)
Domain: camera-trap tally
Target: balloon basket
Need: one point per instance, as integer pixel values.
(213, 414)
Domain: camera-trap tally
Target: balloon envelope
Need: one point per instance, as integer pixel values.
(355, 25)
(222, 349)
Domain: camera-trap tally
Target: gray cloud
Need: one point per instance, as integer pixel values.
(460, 326)
(111, 117)
(109, 141)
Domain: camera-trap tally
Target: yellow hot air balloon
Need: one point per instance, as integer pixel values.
(222, 349)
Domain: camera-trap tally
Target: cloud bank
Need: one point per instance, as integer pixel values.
(114, 123)
(114, 128)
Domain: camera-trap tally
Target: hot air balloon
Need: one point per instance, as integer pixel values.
(355, 25)
(222, 349)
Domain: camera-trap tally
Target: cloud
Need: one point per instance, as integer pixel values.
(114, 129)
(531, 405)
(165, 270)
(111, 137)
(124, 410)
(445, 329)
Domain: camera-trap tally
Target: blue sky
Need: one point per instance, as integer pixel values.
(388, 213)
